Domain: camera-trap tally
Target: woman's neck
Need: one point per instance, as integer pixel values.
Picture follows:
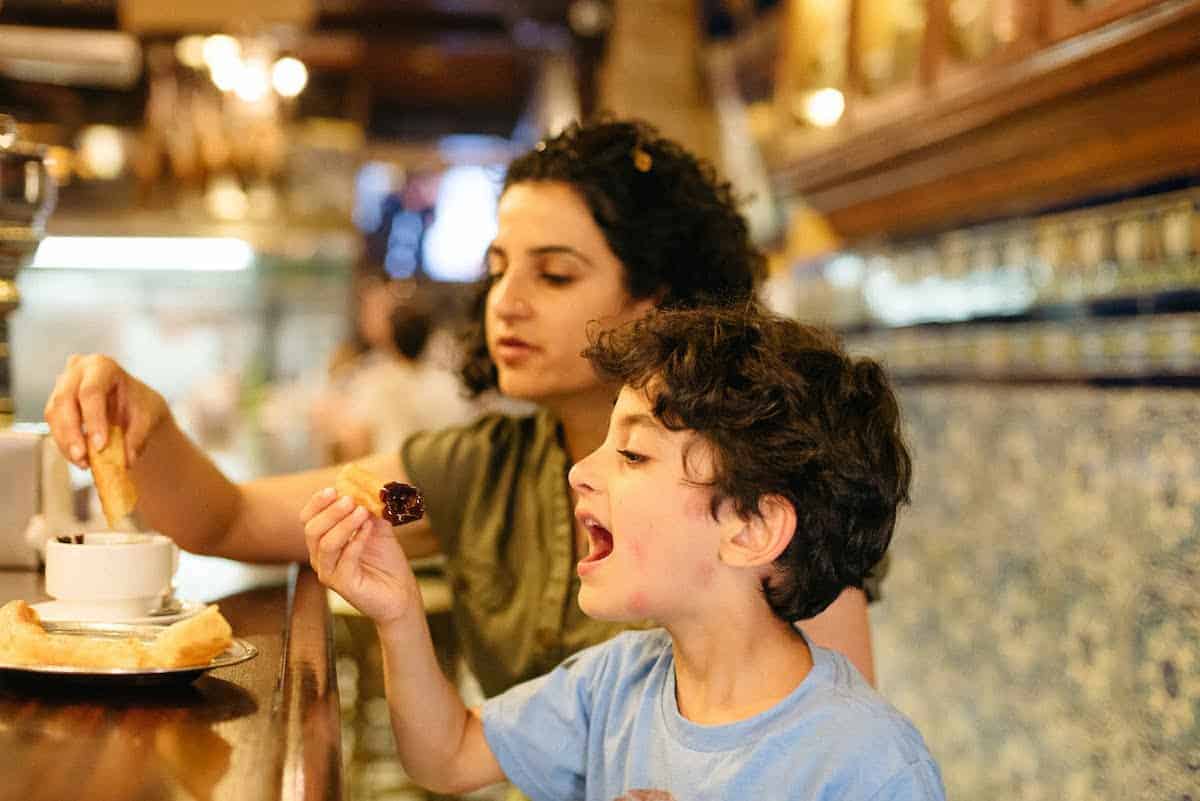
(584, 420)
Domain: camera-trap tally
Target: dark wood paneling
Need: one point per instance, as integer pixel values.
(1065, 18)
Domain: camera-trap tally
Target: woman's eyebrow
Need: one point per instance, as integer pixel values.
(553, 250)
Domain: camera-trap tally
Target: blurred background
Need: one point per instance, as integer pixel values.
(998, 198)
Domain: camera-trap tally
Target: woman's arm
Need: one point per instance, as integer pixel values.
(184, 495)
(845, 627)
(181, 492)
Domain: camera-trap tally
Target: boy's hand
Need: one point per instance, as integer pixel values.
(356, 555)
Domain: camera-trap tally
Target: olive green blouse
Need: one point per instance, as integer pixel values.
(496, 496)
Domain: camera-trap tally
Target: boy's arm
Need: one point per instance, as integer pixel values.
(844, 627)
(355, 553)
(439, 741)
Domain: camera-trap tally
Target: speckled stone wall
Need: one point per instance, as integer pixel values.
(1041, 620)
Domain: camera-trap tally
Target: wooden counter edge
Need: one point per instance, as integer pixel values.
(312, 752)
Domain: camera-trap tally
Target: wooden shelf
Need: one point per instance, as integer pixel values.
(1105, 110)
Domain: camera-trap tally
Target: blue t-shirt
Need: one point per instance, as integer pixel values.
(605, 726)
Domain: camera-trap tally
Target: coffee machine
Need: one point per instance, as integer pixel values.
(34, 480)
(27, 195)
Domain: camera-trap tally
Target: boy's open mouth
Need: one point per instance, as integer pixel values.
(600, 542)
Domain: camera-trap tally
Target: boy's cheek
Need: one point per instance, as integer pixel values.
(637, 552)
(638, 604)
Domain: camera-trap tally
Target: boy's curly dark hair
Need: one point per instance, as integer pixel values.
(788, 413)
(671, 221)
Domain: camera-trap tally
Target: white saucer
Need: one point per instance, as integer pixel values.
(74, 611)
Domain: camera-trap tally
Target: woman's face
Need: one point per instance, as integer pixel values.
(552, 274)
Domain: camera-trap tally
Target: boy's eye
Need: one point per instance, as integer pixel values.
(631, 457)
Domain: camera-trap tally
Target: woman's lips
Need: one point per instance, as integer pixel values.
(511, 349)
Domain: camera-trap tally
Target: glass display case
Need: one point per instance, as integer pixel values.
(214, 342)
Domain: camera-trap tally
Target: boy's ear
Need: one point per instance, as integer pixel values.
(760, 539)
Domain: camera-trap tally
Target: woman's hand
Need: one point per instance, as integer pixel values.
(357, 555)
(94, 392)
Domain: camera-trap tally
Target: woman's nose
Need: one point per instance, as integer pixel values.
(506, 297)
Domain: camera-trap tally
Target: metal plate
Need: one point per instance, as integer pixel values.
(49, 677)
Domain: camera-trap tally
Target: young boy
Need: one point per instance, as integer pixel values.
(751, 472)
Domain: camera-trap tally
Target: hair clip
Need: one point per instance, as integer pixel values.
(641, 159)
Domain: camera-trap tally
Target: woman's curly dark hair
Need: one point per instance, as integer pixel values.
(788, 414)
(665, 214)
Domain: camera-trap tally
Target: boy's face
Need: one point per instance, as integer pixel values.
(653, 539)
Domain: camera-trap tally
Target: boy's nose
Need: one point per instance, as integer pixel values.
(580, 476)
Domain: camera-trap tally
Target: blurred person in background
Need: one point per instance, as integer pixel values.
(389, 389)
(596, 226)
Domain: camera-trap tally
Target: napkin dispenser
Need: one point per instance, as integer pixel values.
(35, 481)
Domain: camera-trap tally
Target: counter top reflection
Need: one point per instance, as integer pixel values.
(264, 729)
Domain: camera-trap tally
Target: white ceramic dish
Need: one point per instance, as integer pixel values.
(83, 612)
(127, 575)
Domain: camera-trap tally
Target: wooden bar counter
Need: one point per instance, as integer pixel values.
(267, 728)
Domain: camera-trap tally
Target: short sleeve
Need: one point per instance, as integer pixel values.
(920, 781)
(538, 730)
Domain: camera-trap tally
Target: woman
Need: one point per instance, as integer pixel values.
(596, 226)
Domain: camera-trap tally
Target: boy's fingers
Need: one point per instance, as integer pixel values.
(318, 501)
(324, 519)
(331, 545)
(321, 522)
(352, 553)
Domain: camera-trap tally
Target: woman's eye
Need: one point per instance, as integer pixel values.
(631, 457)
(557, 280)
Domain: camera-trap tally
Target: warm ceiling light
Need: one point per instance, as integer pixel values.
(289, 76)
(223, 55)
(226, 75)
(102, 151)
(823, 108)
(252, 83)
(589, 17)
(220, 50)
(225, 199)
(190, 51)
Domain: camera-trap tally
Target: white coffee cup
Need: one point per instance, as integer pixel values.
(109, 575)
